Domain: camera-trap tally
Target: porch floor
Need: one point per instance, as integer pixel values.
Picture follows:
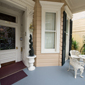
(54, 75)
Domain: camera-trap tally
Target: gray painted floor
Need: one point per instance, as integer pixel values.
(54, 75)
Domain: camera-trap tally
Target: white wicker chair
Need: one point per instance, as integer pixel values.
(75, 63)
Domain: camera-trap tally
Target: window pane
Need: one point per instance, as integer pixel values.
(7, 38)
(66, 26)
(7, 18)
(49, 40)
(50, 19)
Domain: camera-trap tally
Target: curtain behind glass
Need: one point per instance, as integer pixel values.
(50, 26)
(49, 40)
(50, 21)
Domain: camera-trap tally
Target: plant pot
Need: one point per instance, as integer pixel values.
(31, 63)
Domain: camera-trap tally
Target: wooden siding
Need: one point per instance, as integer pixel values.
(79, 31)
(45, 59)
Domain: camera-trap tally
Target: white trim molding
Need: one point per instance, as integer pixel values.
(20, 4)
(51, 7)
(69, 4)
(69, 13)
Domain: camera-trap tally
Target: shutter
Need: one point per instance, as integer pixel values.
(70, 37)
(64, 38)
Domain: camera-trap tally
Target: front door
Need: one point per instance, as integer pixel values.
(9, 36)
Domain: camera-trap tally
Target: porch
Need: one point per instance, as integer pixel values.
(53, 75)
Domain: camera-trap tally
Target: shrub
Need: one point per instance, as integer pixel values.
(75, 44)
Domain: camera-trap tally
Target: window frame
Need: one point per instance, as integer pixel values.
(51, 7)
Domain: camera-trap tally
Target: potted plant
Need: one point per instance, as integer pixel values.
(31, 55)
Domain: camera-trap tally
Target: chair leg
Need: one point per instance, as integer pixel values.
(81, 71)
(75, 72)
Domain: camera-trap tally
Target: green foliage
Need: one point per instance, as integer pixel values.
(83, 47)
(83, 50)
(75, 44)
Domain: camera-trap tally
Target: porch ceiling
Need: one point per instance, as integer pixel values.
(76, 5)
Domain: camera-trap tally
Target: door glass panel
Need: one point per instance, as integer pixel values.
(50, 20)
(49, 40)
(7, 37)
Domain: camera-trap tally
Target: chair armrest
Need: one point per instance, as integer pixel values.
(74, 56)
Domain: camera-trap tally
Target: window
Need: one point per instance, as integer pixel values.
(50, 30)
(7, 37)
(50, 40)
(67, 26)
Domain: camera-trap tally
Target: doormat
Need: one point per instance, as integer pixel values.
(13, 78)
(11, 69)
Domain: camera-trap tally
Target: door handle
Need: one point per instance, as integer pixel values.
(21, 49)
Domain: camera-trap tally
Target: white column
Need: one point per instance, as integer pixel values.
(29, 18)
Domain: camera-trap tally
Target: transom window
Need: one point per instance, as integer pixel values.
(6, 17)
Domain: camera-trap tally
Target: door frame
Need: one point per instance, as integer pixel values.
(69, 16)
(28, 7)
(15, 52)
